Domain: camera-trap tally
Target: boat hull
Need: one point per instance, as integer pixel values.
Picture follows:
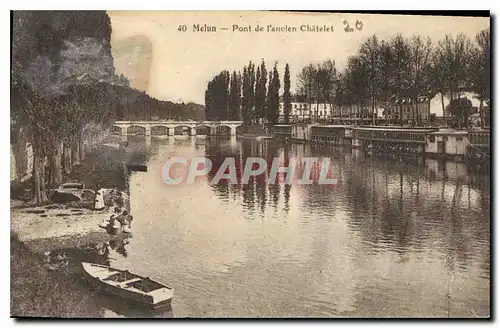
(128, 295)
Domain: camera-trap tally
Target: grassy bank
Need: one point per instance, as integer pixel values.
(36, 292)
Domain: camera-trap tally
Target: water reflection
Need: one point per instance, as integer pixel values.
(375, 244)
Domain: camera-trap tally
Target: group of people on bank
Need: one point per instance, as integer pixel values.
(120, 220)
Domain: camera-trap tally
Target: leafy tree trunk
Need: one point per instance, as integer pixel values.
(21, 156)
(39, 188)
(373, 110)
(414, 109)
(76, 153)
(81, 146)
(54, 158)
(444, 109)
(67, 160)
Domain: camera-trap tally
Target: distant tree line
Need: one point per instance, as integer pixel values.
(382, 71)
(253, 96)
(63, 79)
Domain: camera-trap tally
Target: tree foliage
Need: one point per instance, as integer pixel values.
(382, 73)
(253, 96)
(287, 106)
(272, 102)
(63, 79)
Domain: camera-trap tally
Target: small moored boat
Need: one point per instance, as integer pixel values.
(129, 286)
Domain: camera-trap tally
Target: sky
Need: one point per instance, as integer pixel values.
(153, 51)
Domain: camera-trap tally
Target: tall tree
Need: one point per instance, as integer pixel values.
(244, 99)
(238, 96)
(260, 92)
(287, 106)
(268, 108)
(307, 85)
(356, 85)
(400, 54)
(272, 105)
(257, 93)
(419, 71)
(369, 53)
(52, 51)
(251, 89)
(234, 97)
(454, 55)
(480, 70)
(209, 103)
(327, 83)
(438, 79)
(385, 73)
(248, 93)
(225, 95)
(451, 62)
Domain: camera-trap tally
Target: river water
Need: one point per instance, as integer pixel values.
(390, 239)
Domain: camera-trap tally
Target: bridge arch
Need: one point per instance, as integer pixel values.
(204, 129)
(159, 130)
(232, 128)
(223, 130)
(182, 130)
(136, 129)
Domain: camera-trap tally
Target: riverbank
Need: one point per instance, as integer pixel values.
(74, 220)
(36, 292)
(54, 226)
(43, 229)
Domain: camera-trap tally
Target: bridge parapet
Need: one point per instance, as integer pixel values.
(169, 124)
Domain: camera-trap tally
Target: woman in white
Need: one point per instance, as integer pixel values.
(99, 199)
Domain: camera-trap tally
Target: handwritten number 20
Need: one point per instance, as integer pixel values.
(359, 26)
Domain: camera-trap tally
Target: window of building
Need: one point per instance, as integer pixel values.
(432, 138)
(459, 138)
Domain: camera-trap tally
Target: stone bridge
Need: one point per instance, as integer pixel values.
(168, 127)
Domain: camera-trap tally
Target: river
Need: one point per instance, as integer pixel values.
(390, 239)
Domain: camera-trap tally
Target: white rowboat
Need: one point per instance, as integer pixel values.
(129, 286)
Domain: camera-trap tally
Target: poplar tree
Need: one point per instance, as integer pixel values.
(251, 90)
(272, 106)
(233, 102)
(245, 102)
(260, 92)
(286, 95)
(255, 112)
